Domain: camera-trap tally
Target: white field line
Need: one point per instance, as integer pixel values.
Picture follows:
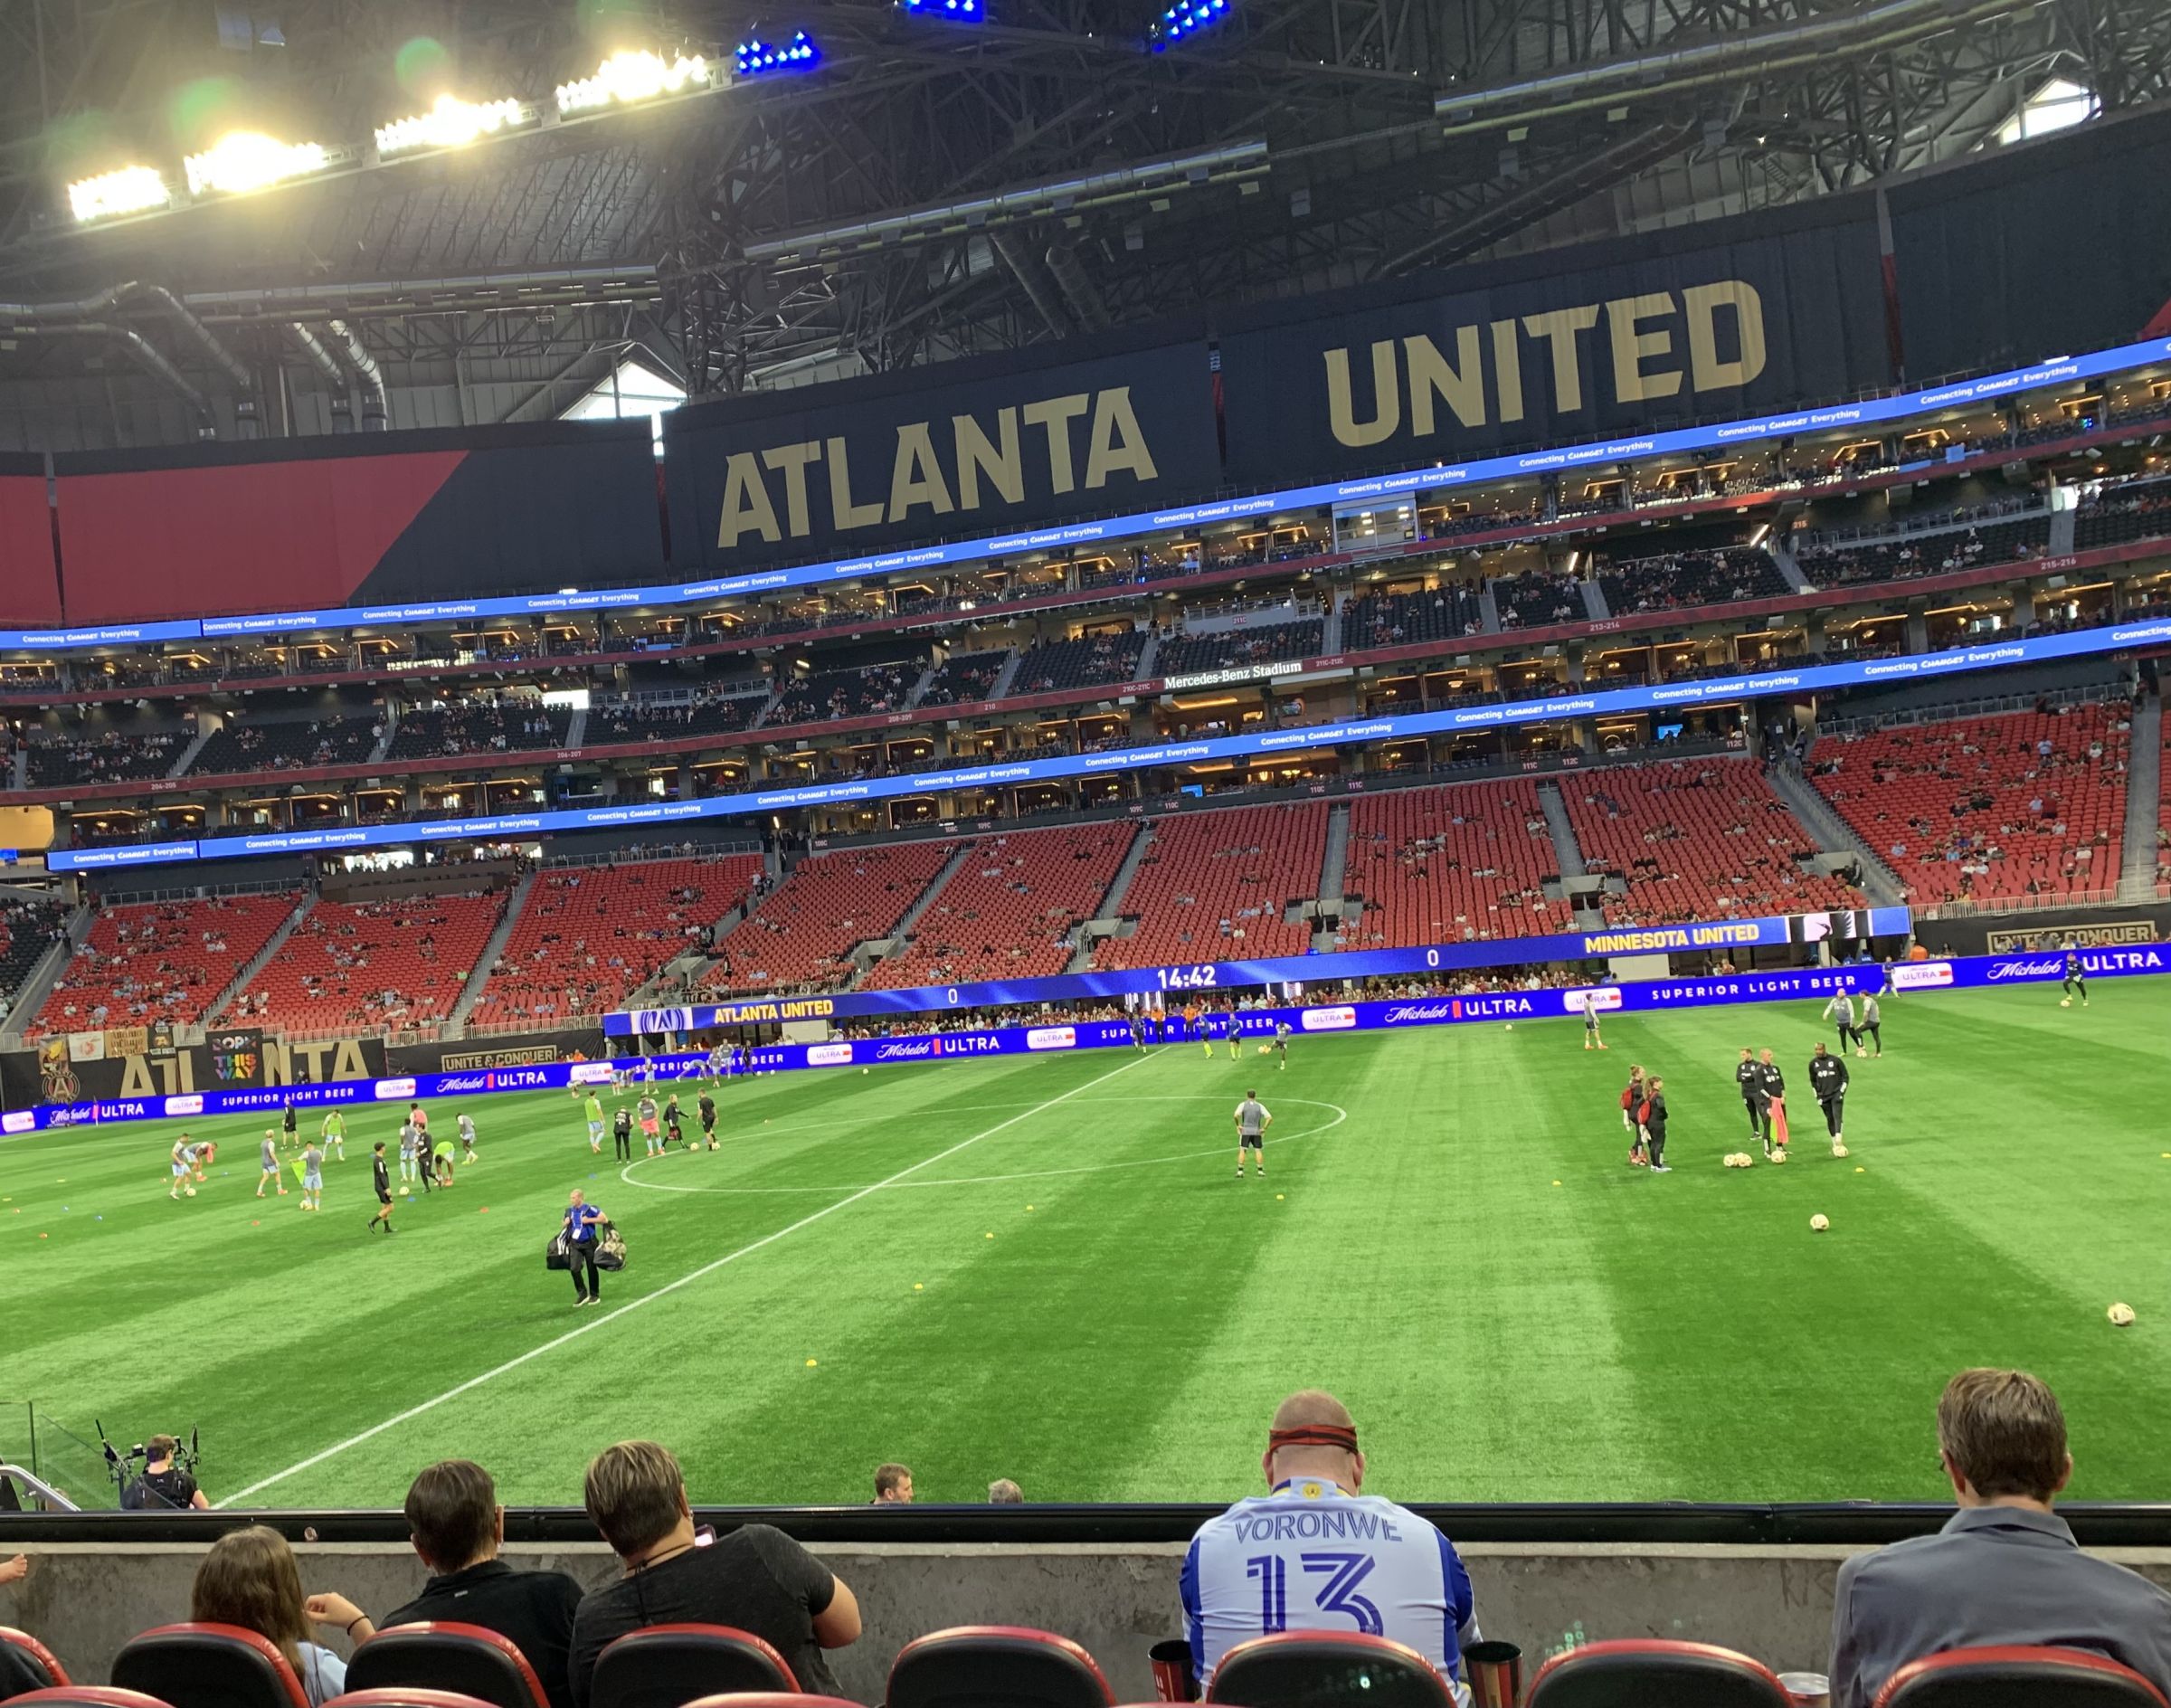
(592, 1324)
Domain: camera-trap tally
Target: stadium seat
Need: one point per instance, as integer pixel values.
(668, 1665)
(86, 1696)
(1328, 1669)
(1214, 886)
(446, 1656)
(26, 1657)
(800, 937)
(1635, 1670)
(208, 1666)
(397, 1696)
(766, 1699)
(995, 1667)
(2017, 1676)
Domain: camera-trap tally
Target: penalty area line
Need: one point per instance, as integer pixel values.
(669, 1288)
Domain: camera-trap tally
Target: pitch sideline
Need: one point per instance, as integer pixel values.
(687, 1279)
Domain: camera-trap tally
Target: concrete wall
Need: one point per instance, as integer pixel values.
(1775, 1603)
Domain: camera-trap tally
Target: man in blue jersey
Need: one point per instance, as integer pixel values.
(1315, 1554)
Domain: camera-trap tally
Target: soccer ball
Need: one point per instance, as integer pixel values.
(2065, 1001)
(1509, 1026)
(1779, 1155)
(2120, 1315)
(867, 1070)
(1817, 1224)
(190, 1191)
(405, 1190)
(1266, 1048)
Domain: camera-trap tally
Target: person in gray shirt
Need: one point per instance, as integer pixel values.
(2005, 1569)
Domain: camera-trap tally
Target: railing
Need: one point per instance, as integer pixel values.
(1970, 908)
(1993, 706)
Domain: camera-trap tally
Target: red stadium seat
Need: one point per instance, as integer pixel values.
(447, 1655)
(26, 1661)
(995, 1667)
(802, 936)
(397, 1696)
(1328, 1669)
(2017, 1676)
(160, 961)
(1460, 864)
(86, 1696)
(372, 965)
(208, 1666)
(1213, 886)
(1652, 1669)
(668, 1665)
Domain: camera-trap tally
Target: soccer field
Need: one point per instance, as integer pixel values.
(1043, 1269)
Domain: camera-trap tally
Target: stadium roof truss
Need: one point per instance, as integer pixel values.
(931, 189)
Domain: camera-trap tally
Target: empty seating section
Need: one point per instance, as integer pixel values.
(1446, 613)
(298, 744)
(1453, 865)
(1231, 649)
(1086, 661)
(372, 965)
(802, 936)
(1672, 581)
(588, 936)
(27, 929)
(1905, 555)
(965, 677)
(479, 726)
(1214, 886)
(2025, 803)
(702, 714)
(1695, 839)
(1537, 597)
(880, 688)
(2119, 514)
(160, 961)
(1007, 911)
(103, 756)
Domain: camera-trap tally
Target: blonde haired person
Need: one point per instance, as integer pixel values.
(251, 1579)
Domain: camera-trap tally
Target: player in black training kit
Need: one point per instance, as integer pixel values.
(380, 1178)
(622, 1132)
(708, 1119)
(1752, 1081)
(1828, 1080)
(1772, 1083)
(2076, 979)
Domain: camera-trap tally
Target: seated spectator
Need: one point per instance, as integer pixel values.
(756, 1579)
(1002, 1492)
(1413, 1578)
(2004, 1568)
(893, 1484)
(250, 1578)
(457, 1527)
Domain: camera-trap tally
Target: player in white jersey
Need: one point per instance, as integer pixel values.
(467, 1138)
(187, 1167)
(1315, 1554)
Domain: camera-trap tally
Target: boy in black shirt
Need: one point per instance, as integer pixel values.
(755, 1579)
(1772, 1083)
(2076, 979)
(621, 1133)
(708, 1119)
(1751, 1083)
(380, 1180)
(1828, 1080)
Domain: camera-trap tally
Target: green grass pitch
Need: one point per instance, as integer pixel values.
(1045, 1269)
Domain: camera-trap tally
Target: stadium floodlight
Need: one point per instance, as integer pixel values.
(755, 57)
(627, 77)
(453, 123)
(957, 11)
(246, 160)
(1186, 17)
(113, 195)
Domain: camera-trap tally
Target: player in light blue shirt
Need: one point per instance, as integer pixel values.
(1315, 1554)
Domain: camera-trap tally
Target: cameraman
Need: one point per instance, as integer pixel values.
(162, 1488)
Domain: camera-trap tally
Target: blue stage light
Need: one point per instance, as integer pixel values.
(755, 57)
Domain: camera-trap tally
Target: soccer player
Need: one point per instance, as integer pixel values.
(409, 1140)
(421, 1118)
(1315, 1554)
(440, 1160)
(1651, 1119)
(1252, 1121)
(1138, 1033)
(1828, 1080)
(1591, 1040)
(1841, 1008)
(184, 1156)
(1201, 1025)
(289, 1122)
(312, 1175)
(621, 1133)
(271, 1163)
(672, 1135)
(1632, 1100)
(380, 1180)
(1872, 1023)
(1233, 1025)
(595, 1124)
(647, 1110)
(1751, 1084)
(1772, 1082)
(719, 1062)
(1281, 1045)
(332, 1134)
(707, 1108)
(467, 1138)
(2076, 978)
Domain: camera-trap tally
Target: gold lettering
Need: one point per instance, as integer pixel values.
(1632, 348)
(1387, 398)
(746, 503)
(1559, 330)
(1507, 370)
(792, 460)
(135, 1077)
(1004, 468)
(1056, 415)
(1701, 303)
(1117, 442)
(347, 1062)
(915, 476)
(842, 510)
(1461, 382)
